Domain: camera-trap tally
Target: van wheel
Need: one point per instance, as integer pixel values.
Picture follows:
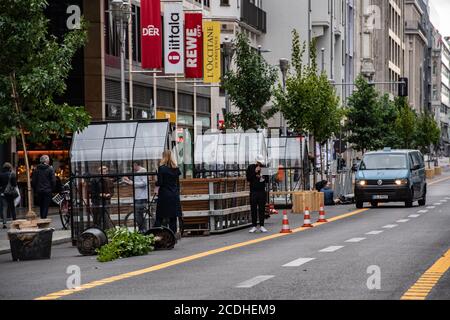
(409, 202)
(423, 201)
(359, 204)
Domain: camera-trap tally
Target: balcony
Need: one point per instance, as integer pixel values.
(253, 16)
(416, 27)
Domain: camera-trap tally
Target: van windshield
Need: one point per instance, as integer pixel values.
(383, 162)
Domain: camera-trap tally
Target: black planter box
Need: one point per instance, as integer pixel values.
(31, 244)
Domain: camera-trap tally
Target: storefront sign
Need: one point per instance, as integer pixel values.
(151, 34)
(173, 38)
(166, 115)
(194, 45)
(211, 56)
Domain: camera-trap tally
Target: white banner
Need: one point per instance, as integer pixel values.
(173, 38)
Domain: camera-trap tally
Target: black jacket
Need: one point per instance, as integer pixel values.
(4, 178)
(43, 179)
(255, 180)
(168, 205)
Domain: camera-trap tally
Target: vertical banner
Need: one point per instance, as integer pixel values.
(173, 38)
(193, 64)
(211, 47)
(151, 34)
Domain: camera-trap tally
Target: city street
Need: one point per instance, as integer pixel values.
(329, 261)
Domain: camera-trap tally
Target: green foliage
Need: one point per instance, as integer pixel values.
(388, 114)
(428, 132)
(250, 87)
(124, 243)
(309, 103)
(37, 65)
(405, 124)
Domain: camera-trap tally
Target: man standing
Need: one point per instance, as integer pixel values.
(140, 194)
(258, 196)
(44, 181)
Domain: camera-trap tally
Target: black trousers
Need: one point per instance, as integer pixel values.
(258, 207)
(172, 223)
(44, 202)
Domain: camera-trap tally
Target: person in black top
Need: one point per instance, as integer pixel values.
(7, 203)
(44, 182)
(258, 196)
(168, 205)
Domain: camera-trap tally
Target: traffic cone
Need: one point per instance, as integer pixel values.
(307, 219)
(322, 214)
(285, 228)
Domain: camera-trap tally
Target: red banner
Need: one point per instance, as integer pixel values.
(151, 34)
(193, 66)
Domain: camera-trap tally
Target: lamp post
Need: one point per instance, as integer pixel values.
(284, 67)
(121, 13)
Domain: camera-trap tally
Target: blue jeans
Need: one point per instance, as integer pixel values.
(140, 221)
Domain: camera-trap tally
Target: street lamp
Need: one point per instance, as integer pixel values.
(284, 67)
(121, 14)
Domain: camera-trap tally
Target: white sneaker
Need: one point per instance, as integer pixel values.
(253, 230)
(263, 230)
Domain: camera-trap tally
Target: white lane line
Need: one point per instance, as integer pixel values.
(403, 220)
(444, 201)
(331, 249)
(431, 207)
(414, 216)
(422, 211)
(298, 262)
(355, 240)
(390, 226)
(375, 232)
(447, 198)
(437, 204)
(253, 281)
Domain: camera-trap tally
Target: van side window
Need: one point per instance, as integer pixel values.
(416, 159)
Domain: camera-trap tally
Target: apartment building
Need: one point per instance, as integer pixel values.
(445, 94)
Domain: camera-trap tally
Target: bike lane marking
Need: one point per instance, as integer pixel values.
(97, 283)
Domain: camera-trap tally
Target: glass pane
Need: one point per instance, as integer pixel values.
(121, 130)
(118, 149)
(152, 129)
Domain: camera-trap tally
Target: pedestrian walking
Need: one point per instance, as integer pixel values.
(102, 190)
(258, 196)
(140, 193)
(8, 185)
(168, 205)
(44, 182)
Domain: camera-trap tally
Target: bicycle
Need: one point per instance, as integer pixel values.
(149, 213)
(62, 199)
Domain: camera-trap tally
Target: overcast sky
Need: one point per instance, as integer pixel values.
(440, 15)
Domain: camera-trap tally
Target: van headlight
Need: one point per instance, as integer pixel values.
(401, 182)
(362, 183)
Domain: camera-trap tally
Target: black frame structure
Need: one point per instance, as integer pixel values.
(97, 196)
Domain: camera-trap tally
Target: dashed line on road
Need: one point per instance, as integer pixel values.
(254, 281)
(353, 240)
(402, 220)
(331, 249)
(422, 288)
(431, 207)
(375, 232)
(422, 211)
(390, 226)
(414, 216)
(437, 204)
(298, 262)
(63, 293)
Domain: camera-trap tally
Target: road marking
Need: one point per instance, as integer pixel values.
(375, 232)
(437, 181)
(355, 240)
(403, 220)
(431, 207)
(437, 204)
(331, 249)
(422, 211)
(390, 226)
(414, 216)
(63, 293)
(298, 262)
(254, 281)
(444, 201)
(422, 288)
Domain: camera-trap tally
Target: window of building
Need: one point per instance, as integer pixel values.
(225, 3)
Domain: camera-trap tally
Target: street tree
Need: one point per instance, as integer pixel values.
(363, 117)
(250, 87)
(388, 114)
(33, 68)
(405, 124)
(427, 134)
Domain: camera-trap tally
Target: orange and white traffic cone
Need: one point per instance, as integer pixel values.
(307, 219)
(322, 214)
(285, 228)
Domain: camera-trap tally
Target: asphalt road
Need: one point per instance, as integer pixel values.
(329, 261)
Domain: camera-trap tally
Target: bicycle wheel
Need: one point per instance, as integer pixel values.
(64, 214)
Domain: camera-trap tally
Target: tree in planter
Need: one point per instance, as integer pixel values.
(250, 87)
(388, 114)
(427, 134)
(405, 124)
(33, 68)
(363, 117)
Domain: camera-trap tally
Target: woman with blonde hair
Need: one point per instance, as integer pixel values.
(168, 205)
